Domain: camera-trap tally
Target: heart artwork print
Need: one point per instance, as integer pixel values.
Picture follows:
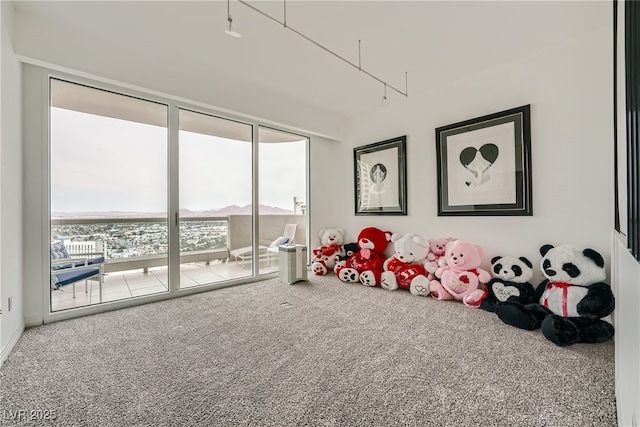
(478, 162)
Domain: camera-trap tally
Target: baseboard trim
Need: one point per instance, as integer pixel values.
(12, 342)
(30, 321)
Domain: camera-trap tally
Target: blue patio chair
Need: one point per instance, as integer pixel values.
(69, 269)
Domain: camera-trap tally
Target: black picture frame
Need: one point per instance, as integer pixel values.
(484, 165)
(380, 177)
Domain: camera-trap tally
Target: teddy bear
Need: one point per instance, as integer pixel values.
(340, 260)
(405, 268)
(435, 257)
(366, 265)
(510, 282)
(572, 299)
(324, 256)
(461, 278)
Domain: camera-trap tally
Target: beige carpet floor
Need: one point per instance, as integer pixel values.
(317, 353)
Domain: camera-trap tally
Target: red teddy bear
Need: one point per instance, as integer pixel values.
(366, 266)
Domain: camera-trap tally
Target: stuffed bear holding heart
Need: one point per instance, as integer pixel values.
(461, 278)
(510, 282)
(405, 269)
(366, 266)
(324, 256)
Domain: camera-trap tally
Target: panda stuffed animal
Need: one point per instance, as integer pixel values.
(572, 299)
(510, 282)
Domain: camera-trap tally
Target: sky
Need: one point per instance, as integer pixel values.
(101, 164)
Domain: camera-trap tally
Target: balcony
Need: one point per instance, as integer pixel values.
(136, 253)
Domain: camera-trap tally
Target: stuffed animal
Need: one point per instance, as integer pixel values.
(341, 260)
(435, 257)
(405, 268)
(510, 282)
(572, 299)
(461, 278)
(324, 257)
(366, 265)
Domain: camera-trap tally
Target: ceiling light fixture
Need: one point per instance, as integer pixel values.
(404, 93)
(229, 30)
(385, 101)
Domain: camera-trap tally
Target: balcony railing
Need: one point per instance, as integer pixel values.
(142, 243)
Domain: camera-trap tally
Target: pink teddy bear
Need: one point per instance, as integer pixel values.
(435, 258)
(461, 278)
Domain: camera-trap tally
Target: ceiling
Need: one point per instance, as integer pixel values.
(435, 42)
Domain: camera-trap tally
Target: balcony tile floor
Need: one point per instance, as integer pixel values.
(133, 283)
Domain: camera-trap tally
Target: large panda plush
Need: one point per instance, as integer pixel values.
(510, 282)
(573, 298)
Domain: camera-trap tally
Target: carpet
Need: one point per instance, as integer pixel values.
(318, 353)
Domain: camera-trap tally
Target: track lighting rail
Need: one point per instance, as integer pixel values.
(358, 66)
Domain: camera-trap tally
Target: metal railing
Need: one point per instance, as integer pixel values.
(142, 242)
(128, 247)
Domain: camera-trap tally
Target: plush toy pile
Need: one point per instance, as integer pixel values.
(572, 305)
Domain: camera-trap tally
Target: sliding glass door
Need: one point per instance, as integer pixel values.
(215, 199)
(149, 197)
(108, 193)
(283, 193)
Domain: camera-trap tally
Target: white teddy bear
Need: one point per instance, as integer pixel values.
(324, 256)
(405, 269)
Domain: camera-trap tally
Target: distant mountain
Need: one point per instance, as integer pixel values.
(236, 210)
(184, 213)
(107, 214)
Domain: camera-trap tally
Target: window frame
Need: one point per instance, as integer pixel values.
(37, 172)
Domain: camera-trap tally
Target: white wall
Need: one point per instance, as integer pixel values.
(10, 187)
(569, 89)
(51, 44)
(35, 205)
(329, 185)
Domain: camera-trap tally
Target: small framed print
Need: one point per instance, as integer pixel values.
(380, 174)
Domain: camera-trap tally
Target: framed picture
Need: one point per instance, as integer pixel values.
(484, 165)
(380, 178)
